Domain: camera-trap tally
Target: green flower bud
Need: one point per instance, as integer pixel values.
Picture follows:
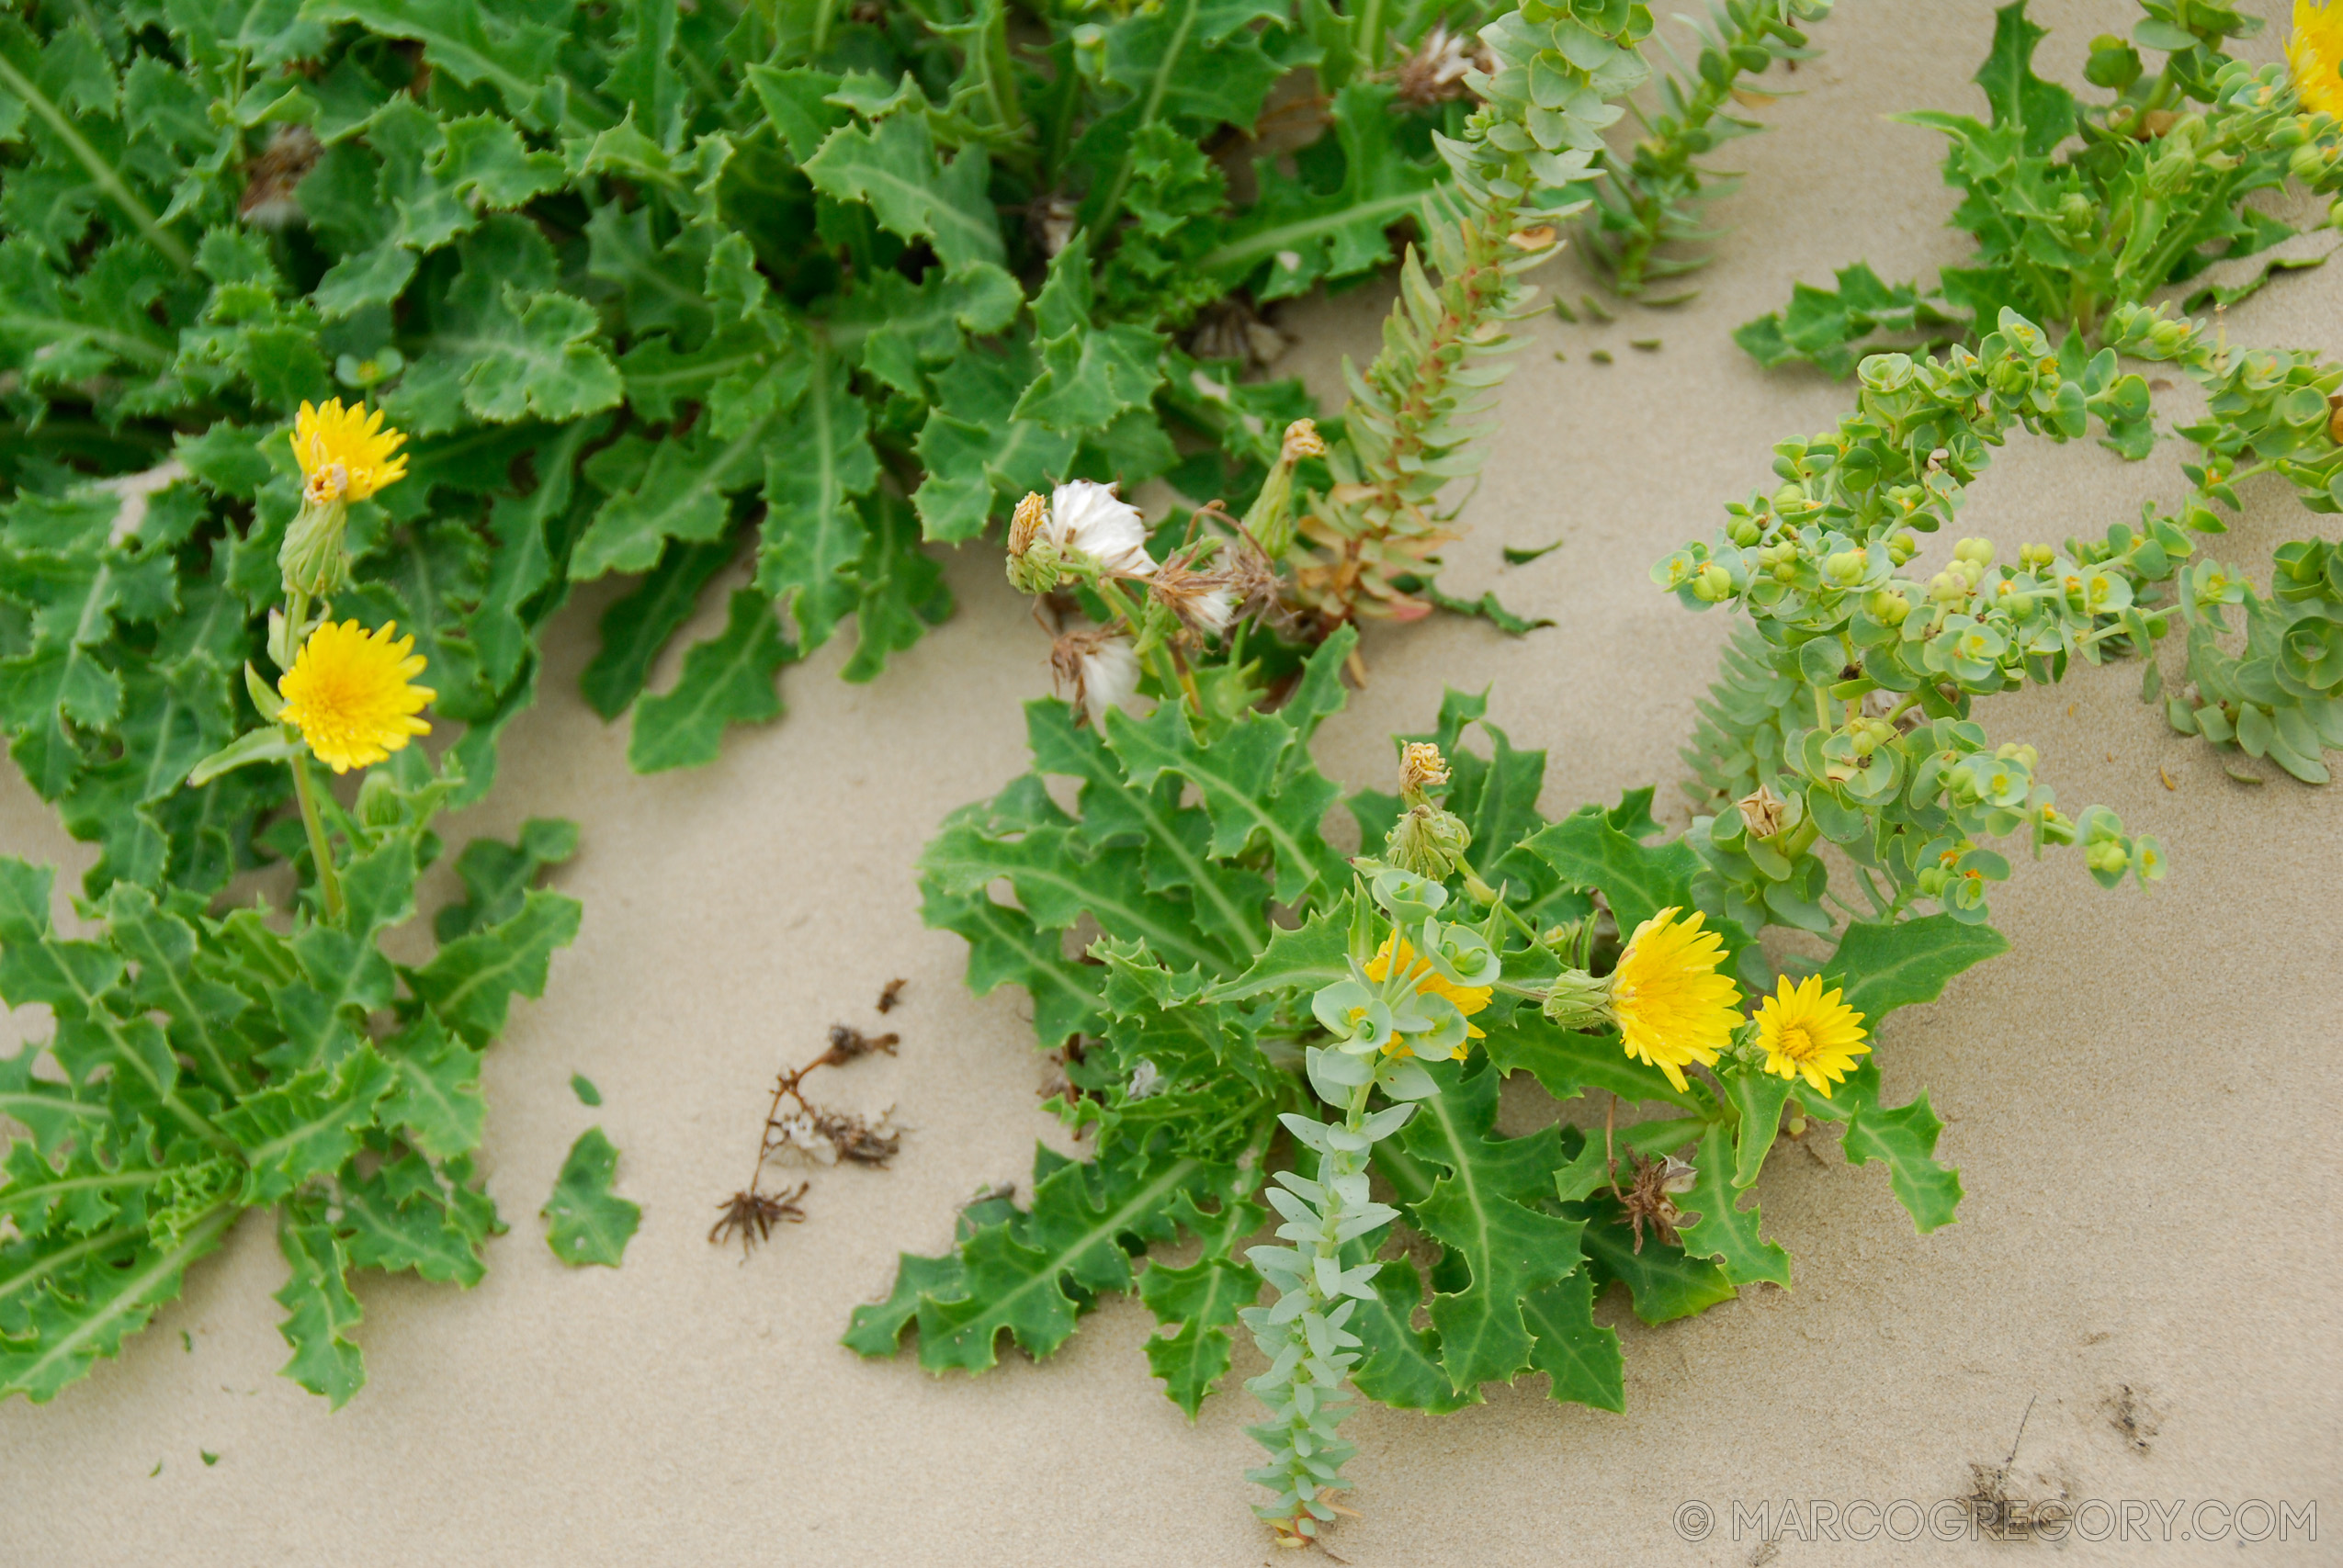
(1902, 546)
(1713, 585)
(314, 558)
(1428, 842)
(1744, 532)
(380, 805)
(1888, 607)
(1578, 1000)
(1978, 550)
(1844, 567)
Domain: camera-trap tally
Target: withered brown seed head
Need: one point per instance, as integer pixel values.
(1422, 767)
(1761, 812)
(1025, 524)
(1302, 440)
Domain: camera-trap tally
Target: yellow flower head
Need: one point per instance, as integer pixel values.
(1430, 982)
(349, 694)
(1809, 1032)
(344, 453)
(2315, 54)
(1673, 1008)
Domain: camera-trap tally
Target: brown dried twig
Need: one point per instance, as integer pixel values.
(792, 1123)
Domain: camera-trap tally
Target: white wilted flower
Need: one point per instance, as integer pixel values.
(1087, 516)
(1101, 666)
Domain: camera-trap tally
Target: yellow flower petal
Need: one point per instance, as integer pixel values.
(2315, 54)
(349, 693)
(1673, 1008)
(346, 454)
(1809, 1032)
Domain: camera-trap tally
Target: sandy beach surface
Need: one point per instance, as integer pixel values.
(2141, 1096)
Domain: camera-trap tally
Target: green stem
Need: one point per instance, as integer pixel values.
(329, 880)
(1368, 52)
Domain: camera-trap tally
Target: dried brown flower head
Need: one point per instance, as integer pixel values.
(1025, 524)
(1652, 1197)
(1205, 601)
(1302, 440)
(1761, 812)
(268, 202)
(1422, 768)
(1434, 72)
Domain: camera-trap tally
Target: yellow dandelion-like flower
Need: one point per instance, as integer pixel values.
(2315, 54)
(1672, 1007)
(1428, 982)
(346, 454)
(1809, 1032)
(349, 693)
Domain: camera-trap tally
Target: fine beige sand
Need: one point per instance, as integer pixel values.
(2141, 1096)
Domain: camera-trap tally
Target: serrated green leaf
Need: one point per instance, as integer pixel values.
(893, 168)
(1300, 959)
(81, 1302)
(471, 42)
(408, 1215)
(585, 1222)
(1399, 1363)
(2042, 113)
(1295, 237)
(1664, 1283)
(1480, 1212)
(1016, 1273)
(497, 876)
(1226, 902)
(1639, 879)
(307, 1125)
(318, 1313)
(1579, 1356)
(727, 680)
(876, 1328)
(1199, 1301)
(1904, 1138)
(1756, 1098)
(814, 537)
(1566, 1063)
(1881, 968)
(435, 1099)
(1248, 787)
(1724, 1230)
(635, 628)
(471, 982)
(901, 588)
(1004, 945)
